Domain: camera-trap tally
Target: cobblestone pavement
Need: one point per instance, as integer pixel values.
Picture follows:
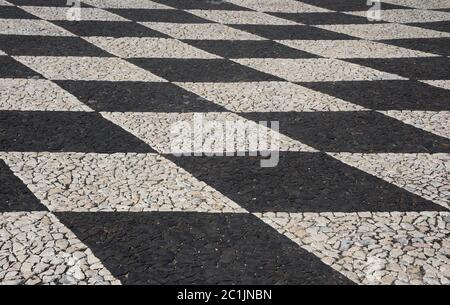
(92, 190)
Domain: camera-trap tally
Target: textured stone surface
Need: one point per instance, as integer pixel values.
(267, 96)
(426, 175)
(30, 27)
(126, 4)
(374, 248)
(445, 84)
(305, 70)
(157, 130)
(87, 68)
(427, 120)
(352, 49)
(114, 167)
(117, 182)
(36, 94)
(383, 31)
(148, 47)
(35, 248)
(409, 15)
(431, 4)
(201, 31)
(277, 6)
(239, 17)
(61, 13)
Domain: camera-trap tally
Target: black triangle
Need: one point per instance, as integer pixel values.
(14, 194)
(185, 248)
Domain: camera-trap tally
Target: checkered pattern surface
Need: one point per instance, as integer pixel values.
(90, 191)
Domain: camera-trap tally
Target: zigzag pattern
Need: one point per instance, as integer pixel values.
(91, 191)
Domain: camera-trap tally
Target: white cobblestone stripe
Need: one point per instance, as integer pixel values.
(315, 70)
(374, 248)
(30, 27)
(156, 130)
(148, 47)
(79, 182)
(143, 4)
(431, 4)
(409, 15)
(37, 94)
(267, 96)
(383, 31)
(278, 6)
(37, 249)
(88, 68)
(445, 84)
(427, 120)
(207, 31)
(60, 13)
(352, 49)
(426, 175)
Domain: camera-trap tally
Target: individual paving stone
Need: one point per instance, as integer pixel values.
(383, 31)
(430, 4)
(13, 68)
(108, 29)
(431, 45)
(427, 120)
(349, 5)
(240, 17)
(315, 69)
(62, 13)
(374, 248)
(207, 31)
(443, 26)
(30, 27)
(354, 131)
(196, 248)
(138, 97)
(158, 15)
(35, 248)
(161, 131)
(249, 49)
(319, 183)
(64, 131)
(279, 32)
(323, 18)
(35, 94)
(201, 70)
(426, 175)
(16, 45)
(277, 6)
(413, 68)
(14, 195)
(87, 68)
(14, 12)
(127, 47)
(387, 94)
(352, 49)
(126, 4)
(408, 15)
(114, 182)
(202, 4)
(267, 96)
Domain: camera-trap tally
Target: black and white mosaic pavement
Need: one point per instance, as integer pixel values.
(91, 192)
